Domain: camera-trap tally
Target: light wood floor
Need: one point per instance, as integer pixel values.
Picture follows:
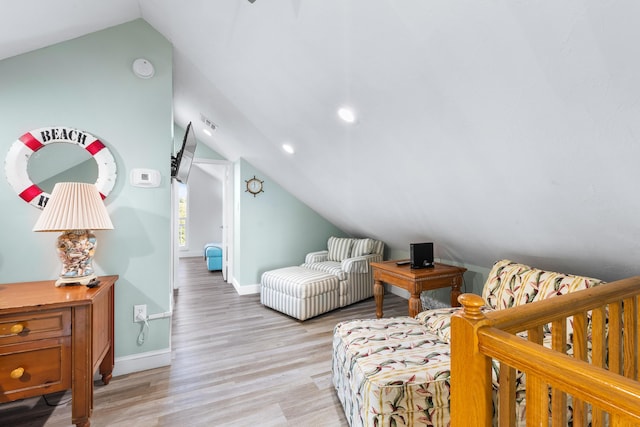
(235, 363)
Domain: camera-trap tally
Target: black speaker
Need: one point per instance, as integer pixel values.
(421, 255)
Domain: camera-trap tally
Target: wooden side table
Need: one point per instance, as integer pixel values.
(415, 281)
(53, 339)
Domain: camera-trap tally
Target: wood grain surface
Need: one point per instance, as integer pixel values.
(235, 363)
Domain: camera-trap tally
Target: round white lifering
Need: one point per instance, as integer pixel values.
(32, 141)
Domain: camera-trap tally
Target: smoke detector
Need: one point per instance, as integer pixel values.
(208, 123)
(143, 68)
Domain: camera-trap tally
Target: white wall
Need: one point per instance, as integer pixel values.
(205, 211)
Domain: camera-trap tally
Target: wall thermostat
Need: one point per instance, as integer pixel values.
(145, 178)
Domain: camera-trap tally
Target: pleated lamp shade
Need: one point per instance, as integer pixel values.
(74, 206)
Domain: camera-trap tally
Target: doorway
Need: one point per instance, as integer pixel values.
(210, 192)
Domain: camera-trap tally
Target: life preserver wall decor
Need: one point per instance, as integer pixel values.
(32, 141)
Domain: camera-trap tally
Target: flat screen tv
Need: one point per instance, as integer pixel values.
(181, 162)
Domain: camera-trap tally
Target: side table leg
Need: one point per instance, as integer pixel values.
(378, 295)
(414, 304)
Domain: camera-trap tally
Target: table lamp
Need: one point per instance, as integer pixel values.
(75, 208)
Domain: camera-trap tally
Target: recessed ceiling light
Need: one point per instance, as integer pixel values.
(207, 131)
(288, 148)
(347, 114)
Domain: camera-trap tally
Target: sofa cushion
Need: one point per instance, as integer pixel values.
(438, 321)
(319, 256)
(339, 248)
(510, 284)
(391, 372)
(331, 267)
(299, 292)
(378, 247)
(362, 247)
(299, 282)
(360, 264)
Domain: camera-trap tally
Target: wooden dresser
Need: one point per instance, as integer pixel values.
(53, 339)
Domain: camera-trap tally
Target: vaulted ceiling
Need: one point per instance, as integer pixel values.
(494, 129)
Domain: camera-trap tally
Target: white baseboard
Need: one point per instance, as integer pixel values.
(159, 358)
(397, 291)
(246, 290)
(255, 289)
(142, 362)
(191, 254)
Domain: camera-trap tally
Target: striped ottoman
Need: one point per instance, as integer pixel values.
(299, 292)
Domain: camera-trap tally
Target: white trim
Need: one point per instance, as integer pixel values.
(191, 254)
(227, 214)
(247, 289)
(255, 289)
(397, 291)
(142, 362)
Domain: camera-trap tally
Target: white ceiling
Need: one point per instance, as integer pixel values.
(495, 128)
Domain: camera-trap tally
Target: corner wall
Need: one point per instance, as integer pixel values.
(273, 229)
(87, 83)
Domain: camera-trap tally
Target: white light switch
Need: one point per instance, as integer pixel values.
(145, 178)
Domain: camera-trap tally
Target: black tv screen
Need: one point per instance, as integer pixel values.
(181, 162)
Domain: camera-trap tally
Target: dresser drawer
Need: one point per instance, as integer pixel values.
(35, 368)
(21, 327)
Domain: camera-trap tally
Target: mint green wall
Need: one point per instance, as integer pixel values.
(273, 229)
(204, 152)
(87, 83)
(86, 171)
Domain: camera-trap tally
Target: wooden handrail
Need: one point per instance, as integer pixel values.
(611, 392)
(477, 338)
(545, 311)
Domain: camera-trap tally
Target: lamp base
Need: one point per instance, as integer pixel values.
(76, 249)
(85, 280)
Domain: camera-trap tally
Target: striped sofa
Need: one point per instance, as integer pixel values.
(394, 372)
(328, 279)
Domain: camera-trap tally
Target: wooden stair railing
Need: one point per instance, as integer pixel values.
(599, 380)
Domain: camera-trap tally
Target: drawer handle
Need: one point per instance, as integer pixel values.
(17, 373)
(17, 328)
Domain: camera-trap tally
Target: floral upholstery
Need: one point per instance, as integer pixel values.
(393, 367)
(510, 284)
(395, 372)
(438, 321)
